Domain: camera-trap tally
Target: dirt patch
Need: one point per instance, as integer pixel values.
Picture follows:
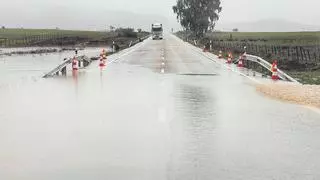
(299, 94)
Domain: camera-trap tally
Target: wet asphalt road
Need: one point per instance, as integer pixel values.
(159, 111)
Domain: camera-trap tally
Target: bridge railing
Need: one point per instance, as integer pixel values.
(59, 68)
(62, 66)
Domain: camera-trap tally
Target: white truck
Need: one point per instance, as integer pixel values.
(157, 31)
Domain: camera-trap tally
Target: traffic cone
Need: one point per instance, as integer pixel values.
(75, 64)
(274, 70)
(229, 60)
(103, 53)
(241, 61)
(205, 49)
(102, 62)
(220, 54)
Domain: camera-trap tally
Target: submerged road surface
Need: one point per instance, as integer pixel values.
(159, 111)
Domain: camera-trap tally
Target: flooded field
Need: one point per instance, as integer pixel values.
(19, 69)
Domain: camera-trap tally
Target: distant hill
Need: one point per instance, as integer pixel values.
(268, 25)
(80, 19)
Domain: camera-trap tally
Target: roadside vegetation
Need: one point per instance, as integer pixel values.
(272, 38)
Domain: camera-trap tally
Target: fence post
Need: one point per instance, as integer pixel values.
(302, 55)
(309, 57)
(297, 53)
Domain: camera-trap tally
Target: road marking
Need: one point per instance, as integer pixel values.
(314, 109)
(162, 114)
(127, 52)
(226, 66)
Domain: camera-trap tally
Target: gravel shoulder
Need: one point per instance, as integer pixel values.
(299, 94)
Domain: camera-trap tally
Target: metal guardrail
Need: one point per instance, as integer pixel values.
(58, 68)
(132, 43)
(86, 61)
(65, 63)
(268, 66)
(282, 75)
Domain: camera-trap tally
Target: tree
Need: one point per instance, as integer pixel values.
(235, 30)
(139, 30)
(126, 32)
(198, 16)
(3, 27)
(112, 28)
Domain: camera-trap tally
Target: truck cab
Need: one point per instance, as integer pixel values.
(157, 31)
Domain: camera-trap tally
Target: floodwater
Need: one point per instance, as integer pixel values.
(159, 111)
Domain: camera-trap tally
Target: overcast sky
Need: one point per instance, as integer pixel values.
(15, 12)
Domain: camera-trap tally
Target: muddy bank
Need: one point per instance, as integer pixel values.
(299, 94)
(36, 51)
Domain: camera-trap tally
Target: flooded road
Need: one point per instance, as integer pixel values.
(160, 111)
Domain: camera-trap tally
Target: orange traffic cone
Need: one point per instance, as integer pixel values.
(229, 60)
(103, 53)
(220, 54)
(274, 70)
(102, 62)
(241, 61)
(205, 49)
(75, 64)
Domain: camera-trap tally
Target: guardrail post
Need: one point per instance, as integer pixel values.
(85, 63)
(64, 71)
(80, 63)
(113, 47)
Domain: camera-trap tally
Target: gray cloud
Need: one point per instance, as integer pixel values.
(96, 14)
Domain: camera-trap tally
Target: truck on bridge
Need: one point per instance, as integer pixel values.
(157, 31)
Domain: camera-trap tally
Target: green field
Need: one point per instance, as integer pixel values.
(279, 38)
(28, 37)
(22, 33)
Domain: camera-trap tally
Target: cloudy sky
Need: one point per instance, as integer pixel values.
(63, 13)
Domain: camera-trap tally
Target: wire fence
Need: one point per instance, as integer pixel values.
(300, 54)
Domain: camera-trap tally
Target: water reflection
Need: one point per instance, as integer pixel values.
(193, 133)
(18, 69)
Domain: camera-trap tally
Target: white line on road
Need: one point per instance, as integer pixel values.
(127, 53)
(162, 114)
(316, 110)
(228, 67)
